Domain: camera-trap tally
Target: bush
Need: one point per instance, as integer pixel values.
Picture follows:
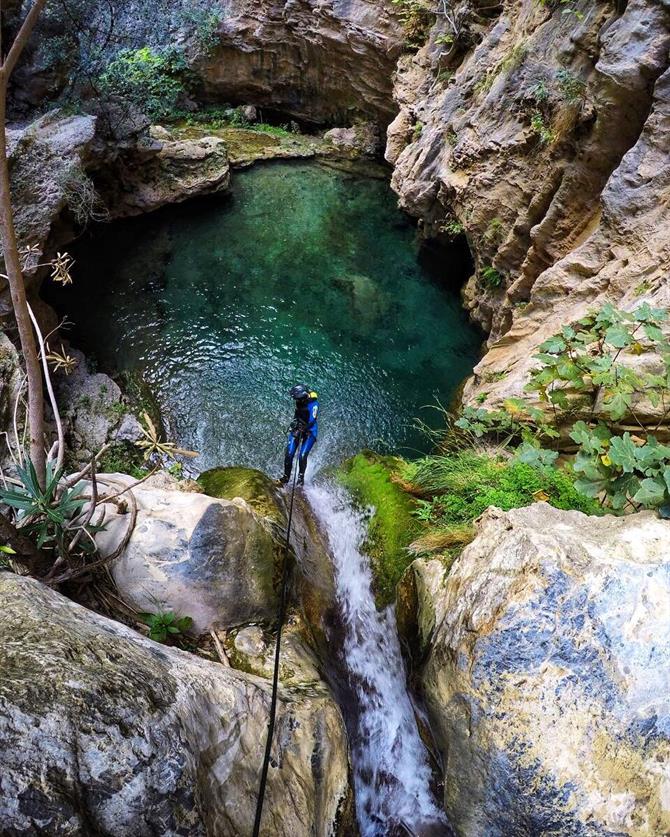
(491, 278)
(589, 383)
(153, 81)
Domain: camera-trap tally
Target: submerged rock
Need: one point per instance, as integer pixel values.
(214, 560)
(106, 732)
(547, 676)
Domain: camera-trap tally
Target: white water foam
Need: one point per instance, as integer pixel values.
(391, 771)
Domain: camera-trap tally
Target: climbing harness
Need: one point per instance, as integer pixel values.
(275, 676)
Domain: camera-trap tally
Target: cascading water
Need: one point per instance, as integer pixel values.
(391, 770)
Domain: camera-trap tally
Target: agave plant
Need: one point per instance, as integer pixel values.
(46, 514)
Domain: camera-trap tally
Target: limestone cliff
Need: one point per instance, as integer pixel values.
(540, 132)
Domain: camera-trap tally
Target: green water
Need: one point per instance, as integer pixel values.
(304, 274)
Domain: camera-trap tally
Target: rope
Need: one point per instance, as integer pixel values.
(275, 676)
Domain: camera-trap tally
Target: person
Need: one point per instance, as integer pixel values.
(302, 432)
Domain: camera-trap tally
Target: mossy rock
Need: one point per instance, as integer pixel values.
(253, 486)
(368, 476)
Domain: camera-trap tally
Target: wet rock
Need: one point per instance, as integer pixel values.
(214, 560)
(548, 674)
(11, 377)
(134, 738)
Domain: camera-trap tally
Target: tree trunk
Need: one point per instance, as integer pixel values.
(18, 293)
(13, 262)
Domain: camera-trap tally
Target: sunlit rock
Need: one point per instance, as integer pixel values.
(547, 675)
(106, 732)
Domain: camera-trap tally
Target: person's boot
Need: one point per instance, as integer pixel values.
(301, 479)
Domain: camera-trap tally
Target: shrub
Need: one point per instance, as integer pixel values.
(588, 381)
(463, 484)
(153, 81)
(491, 277)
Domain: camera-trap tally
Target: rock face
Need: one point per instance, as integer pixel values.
(213, 560)
(105, 732)
(161, 170)
(541, 135)
(93, 412)
(323, 62)
(547, 674)
(47, 161)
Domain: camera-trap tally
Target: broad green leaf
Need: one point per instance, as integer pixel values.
(618, 336)
(623, 452)
(651, 493)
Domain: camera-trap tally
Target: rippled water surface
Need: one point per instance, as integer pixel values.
(303, 274)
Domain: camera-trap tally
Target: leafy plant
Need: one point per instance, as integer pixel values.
(452, 228)
(47, 514)
(152, 444)
(416, 19)
(491, 277)
(165, 625)
(153, 81)
(539, 126)
(572, 87)
(587, 379)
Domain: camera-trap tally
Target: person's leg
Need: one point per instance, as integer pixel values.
(306, 447)
(291, 447)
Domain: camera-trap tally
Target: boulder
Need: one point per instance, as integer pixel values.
(214, 560)
(362, 138)
(162, 169)
(547, 676)
(107, 732)
(93, 411)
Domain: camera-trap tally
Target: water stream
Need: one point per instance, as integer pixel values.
(392, 774)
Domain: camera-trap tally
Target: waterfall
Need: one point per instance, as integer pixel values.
(392, 775)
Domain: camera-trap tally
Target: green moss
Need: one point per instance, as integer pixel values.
(251, 485)
(123, 458)
(392, 527)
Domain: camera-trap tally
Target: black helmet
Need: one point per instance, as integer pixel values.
(299, 392)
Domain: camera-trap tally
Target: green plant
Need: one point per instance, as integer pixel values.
(540, 92)
(464, 483)
(495, 231)
(154, 81)
(48, 515)
(491, 278)
(205, 26)
(587, 371)
(416, 19)
(452, 228)
(165, 625)
(152, 445)
(371, 480)
(541, 129)
(588, 380)
(418, 130)
(572, 87)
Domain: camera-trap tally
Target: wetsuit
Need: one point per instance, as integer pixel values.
(303, 433)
